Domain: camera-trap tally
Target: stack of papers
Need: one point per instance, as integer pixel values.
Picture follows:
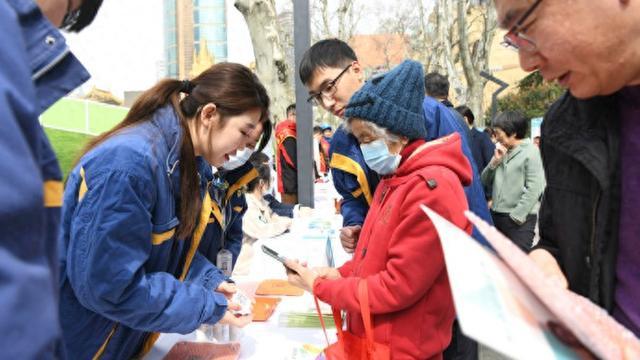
(505, 301)
(307, 317)
(304, 320)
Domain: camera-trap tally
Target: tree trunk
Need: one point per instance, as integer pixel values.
(324, 11)
(344, 14)
(475, 59)
(451, 42)
(271, 65)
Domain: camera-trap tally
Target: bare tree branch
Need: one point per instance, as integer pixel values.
(271, 65)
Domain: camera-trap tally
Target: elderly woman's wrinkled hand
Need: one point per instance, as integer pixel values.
(329, 273)
(300, 275)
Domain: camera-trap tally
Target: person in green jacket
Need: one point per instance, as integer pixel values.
(516, 175)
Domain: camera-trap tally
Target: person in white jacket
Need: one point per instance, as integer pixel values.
(259, 220)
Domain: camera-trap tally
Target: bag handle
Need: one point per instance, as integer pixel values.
(337, 318)
(365, 312)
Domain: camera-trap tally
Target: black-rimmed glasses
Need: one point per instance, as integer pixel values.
(327, 91)
(516, 38)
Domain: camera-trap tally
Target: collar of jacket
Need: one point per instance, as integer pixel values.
(524, 145)
(408, 150)
(257, 202)
(443, 152)
(586, 130)
(166, 120)
(55, 71)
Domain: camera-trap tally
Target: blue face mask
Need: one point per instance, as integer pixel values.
(376, 155)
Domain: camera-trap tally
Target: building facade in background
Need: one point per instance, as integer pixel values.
(191, 27)
(379, 53)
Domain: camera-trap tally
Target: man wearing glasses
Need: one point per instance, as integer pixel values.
(331, 72)
(590, 143)
(36, 69)
(341, 76)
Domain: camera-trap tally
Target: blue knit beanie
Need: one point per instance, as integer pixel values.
(393, 101)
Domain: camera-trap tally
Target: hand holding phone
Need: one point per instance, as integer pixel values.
(269, 251)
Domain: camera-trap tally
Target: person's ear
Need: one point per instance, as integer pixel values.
(404, 140)
(357, 69)
(209, 116)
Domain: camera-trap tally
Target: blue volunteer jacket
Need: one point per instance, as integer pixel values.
(352, 178)
(36, 69)
(442, 121)
(228, 208)
(122, 265)
(351, 175)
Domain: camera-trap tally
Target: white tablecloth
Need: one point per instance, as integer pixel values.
(308, 242)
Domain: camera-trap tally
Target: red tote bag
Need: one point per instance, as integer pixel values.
(350, 346)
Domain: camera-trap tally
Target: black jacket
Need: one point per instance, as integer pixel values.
(289, 173)
(481, 147)
(581, 204)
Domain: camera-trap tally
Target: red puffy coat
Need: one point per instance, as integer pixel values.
(400, 255)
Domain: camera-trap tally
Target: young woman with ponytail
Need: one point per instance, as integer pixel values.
(136, 207)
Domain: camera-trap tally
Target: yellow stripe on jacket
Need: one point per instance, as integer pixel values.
(341, 162)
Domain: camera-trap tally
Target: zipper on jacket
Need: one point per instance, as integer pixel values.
(594, 282)
(592, 243)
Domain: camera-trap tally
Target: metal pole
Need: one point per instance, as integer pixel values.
(494, 97)
(304, 114)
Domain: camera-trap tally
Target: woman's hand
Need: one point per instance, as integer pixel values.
(304, 211)
(498, 155)
(227, 289)
(300, 275)
(235, 320)
(326, 272)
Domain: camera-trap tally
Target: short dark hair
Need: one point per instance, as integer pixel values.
(86, 13)
(466, 113)
(317, 130)
(291, 109)
(511, 122)
(436, 84)
(264, 174)
(258, 158)
(332, 53)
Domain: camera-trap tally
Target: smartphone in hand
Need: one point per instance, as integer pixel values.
(269, 251)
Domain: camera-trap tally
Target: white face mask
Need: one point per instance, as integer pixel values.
(237, 160)
(378, 158)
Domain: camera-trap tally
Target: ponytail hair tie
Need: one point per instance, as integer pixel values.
(186, 86)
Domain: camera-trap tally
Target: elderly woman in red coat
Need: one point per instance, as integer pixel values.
(399, 252)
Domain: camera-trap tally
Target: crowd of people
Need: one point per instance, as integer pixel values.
(160, 211)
